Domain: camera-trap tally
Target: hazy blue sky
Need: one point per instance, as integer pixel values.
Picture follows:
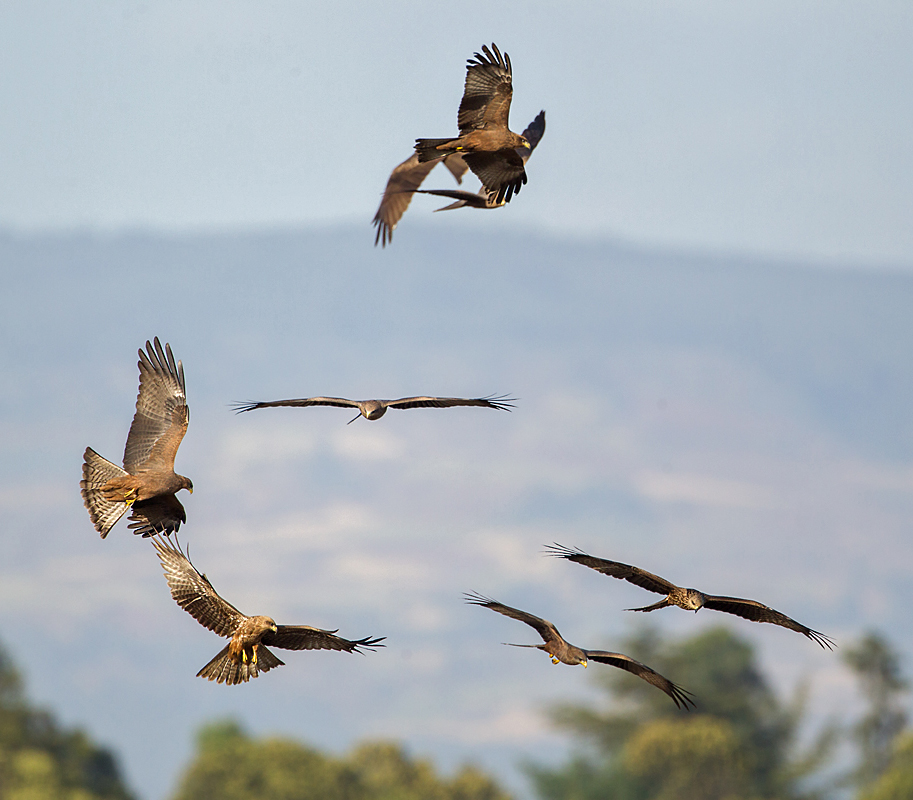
(774, 127)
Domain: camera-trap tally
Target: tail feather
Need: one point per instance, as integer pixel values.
(96, 472)
(427, 149)
(661, 604)
(224, 669)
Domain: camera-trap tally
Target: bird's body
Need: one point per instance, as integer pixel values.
(246, 655)
(486, 143)
(563, 652)
(147, 484)
(375, 409)
(689, 599)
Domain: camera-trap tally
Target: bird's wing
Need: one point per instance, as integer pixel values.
(503, 403)
(487, 92)
(304, 637)
(473, 199)
(193, 592)
(543, 627)
(162, 514)
(615, 569)
(758, 612)
(161, 415)
(457, 166)
(533, 134)
(501, 172)
(299, 403)
(679, 696)
(404, 180)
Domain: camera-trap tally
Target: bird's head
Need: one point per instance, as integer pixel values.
(187, 484)
(694, 600)
(524, 142)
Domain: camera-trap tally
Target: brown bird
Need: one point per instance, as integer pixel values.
(375, 409)
(483, 198)
(403, 181)
(566, 653)
(246, 655)
(689, 599)
(148, 483)
(485, 142)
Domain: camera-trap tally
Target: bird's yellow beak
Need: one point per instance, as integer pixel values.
(190, 490)
(584, 664)
(275, 629)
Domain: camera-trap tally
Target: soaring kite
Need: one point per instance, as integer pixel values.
(246, 655)
(689, 599)
(375, 409)
(403, 181)
(483, 198)
(148, 483)
(488, 146)
(566, 653)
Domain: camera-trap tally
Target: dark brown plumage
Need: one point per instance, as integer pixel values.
(567, 653)
(689, 599)
(402, 183)
(246, 655)
(375, 409)
(148, 483)
(485, 141)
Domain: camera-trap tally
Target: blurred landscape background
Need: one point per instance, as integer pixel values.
(701, 301)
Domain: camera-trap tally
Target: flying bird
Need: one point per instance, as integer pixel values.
(483, 198)
(246, 655)
(488, 146)
(375, 409)
(403, 181)
(689, 599)
(148, 483)
(567, 653)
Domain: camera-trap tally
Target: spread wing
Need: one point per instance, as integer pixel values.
(300, 403)
(162, 514)
(615, 569)
(543, 627)
(533, 134)
(487, 92)
(758, 612)
(501, 172)
(193, 592)
(679, 696)
(161, 415)
(473, 199)
(503, 403)
(304, 637)
(403, 181)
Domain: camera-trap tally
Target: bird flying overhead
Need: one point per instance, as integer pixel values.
(403, 181)
(148, 483)
(566, 653)
(689, 599)
(375, 409)
(488, 146)
(246, 655)
(483, 198)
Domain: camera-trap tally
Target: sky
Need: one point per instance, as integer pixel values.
(776, 128)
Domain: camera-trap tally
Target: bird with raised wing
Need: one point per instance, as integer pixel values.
(246, 655)
(564, 652)
(486, 143)
(689, 599)
(148, 483)
(375, 409)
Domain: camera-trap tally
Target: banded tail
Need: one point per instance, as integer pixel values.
(427, 149)
(96, 472)
(224, 669)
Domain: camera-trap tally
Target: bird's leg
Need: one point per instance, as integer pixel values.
(556, 660)
(255, 652)
(130, 497)
(244, 654)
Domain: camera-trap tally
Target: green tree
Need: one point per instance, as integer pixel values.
(740, 742)
(877, 667)
(231, 765)
(896, 782)
(39, 761)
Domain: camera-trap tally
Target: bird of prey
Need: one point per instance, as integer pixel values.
(483, 198)
(403, 181)
(148, 483)
(488, 146)
(246, 655)
(375, 409)
(689, 599)
(566, 653)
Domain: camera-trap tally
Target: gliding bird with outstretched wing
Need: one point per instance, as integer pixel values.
(246, 655)
(689, 599)
(564, 652)
(375, 409)
(148, 483)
